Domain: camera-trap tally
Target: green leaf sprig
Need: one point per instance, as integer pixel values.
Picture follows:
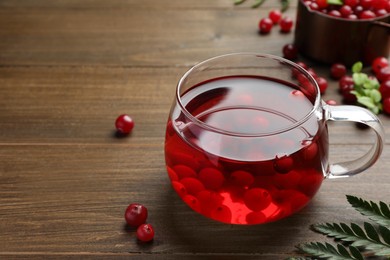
(366, 89)
(354, 242)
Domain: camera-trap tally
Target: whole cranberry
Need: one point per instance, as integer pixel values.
(338, 70)
(379, 63)
(358, 9)
(265, 25)
(386, 105)
(322, 4)
(290, 51)
(136, 214)
(383, 74)
(380, 12)
(351, 3)
(322, 84)
(345, 83)
(346, 10)
(366, 4)
(275, 15)
(145, 232)
(352, 17)
(286, 24)
(124, 124)
(314, 6)
(367, 14)
(385, 88)
(334, 13)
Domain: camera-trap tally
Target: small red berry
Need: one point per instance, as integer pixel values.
(358, 9)
(312, 72)
(124, 124)
(145, 232)
(345, 82)
(265, 25)
(380, 12)
(290, 51)
(346, 10)
(314, 6)
(331, 102)
(352, 17)
(283, 164)
(379, 63)
(383, 74)
(367, 14)
(322, 4)
(386, 105)
(257, 199)
(136, 214)
(286, 24)
(275, 16)
(351, 3)
(385, 88)
(338, 70)
(322, 84)
(334, 13)
(366, 4)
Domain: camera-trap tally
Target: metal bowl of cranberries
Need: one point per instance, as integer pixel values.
(345, 31)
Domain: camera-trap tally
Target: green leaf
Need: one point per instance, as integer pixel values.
(385, 233)
(371, 232)
(359, 78)
(327, 250)
(375, 95)
(371, 210)
(335, 2)
(285, 5)
(357, 67)
(258, 3)
(366, 101)
(356, 253)
(237, 2)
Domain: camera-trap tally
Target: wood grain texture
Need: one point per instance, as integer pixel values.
(69, 68)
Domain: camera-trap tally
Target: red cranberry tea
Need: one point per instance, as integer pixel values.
(253, 152)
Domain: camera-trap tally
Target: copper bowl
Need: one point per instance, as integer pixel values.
(329, 39)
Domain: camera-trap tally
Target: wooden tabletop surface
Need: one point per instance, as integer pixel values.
(69, 68)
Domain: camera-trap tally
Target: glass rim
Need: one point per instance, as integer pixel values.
(293, 65)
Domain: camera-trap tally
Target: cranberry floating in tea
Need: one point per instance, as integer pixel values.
(247, 143)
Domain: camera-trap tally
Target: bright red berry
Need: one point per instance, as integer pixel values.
(379, 63)
(346, 10)
(386, 105)
(367, 14)
(257, 199)
(275, 16)
(352, 17)
(385, 89)
(366, 4)
(331, 102)
(383, 74)
(286, 24)
(322, 4)
(314, 6)
(380, 12)
(358, 9)
(312, 72)
(345, 82)
(334, 13)
(290, 51)
(351, 3)
(145, 232)
(136, 214)
(265, 25)
(124, 124)
(283, 164)
(338, 70)
(322, 84)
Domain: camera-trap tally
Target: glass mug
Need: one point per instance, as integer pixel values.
(247, 138)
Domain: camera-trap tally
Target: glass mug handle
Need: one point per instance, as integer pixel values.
(359, 115)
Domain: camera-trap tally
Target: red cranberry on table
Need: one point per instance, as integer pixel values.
(322, 84)
(145, 232)
(136, 214)
(290, 51)
(265, 25)
(124, 124)
(383, 74)
(386, 105)
(384, 89)
(338, 70)
(286, 24)
(379, 63)
(275, 16)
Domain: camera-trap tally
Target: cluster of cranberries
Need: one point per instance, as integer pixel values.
(275, 17)
(135, 216)
(351, 9)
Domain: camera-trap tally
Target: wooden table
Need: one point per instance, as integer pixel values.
(69, 68)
